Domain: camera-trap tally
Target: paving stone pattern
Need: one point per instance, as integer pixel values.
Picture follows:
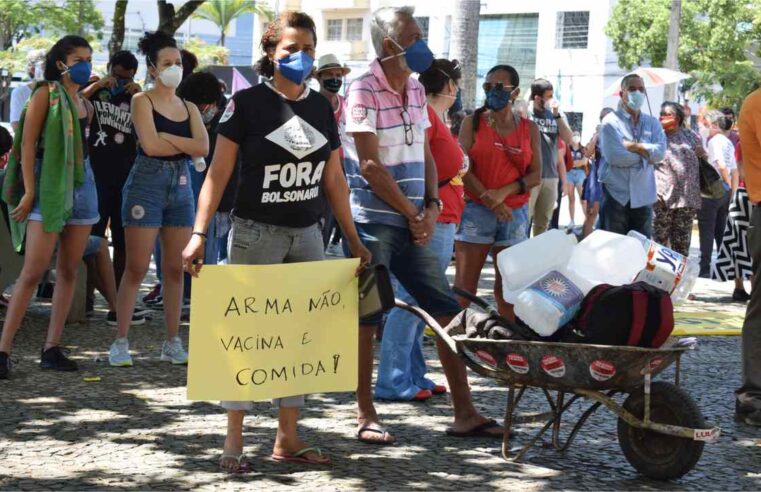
(134, 429)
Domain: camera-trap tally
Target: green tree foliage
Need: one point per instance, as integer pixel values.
(15, 59)
(208, 54)
(223, 12)
(21, 18)
(716, 40)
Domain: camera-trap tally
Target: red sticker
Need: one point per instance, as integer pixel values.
(602, 370)
(358, 113)
(654, 363)
(486, 357)
(517, 363)
(553, 365)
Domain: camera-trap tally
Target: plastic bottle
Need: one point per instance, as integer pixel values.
(667, 269)
(524, 263)
(549, 303)
(606, 258)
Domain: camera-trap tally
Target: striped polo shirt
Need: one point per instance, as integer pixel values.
(373, 106)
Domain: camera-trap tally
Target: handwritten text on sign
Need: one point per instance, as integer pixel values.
(268, 331)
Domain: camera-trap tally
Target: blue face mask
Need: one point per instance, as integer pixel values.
(636, 100)
(296, 67)
(417, 56)
(79, 73)
(497, 99)
(457, 106)
(119, 87)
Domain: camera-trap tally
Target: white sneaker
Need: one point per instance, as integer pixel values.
(119, 356)
(172, 351)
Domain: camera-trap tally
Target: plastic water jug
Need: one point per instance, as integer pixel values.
(606, 258)
(524, 263)
(549, 303)
(667, 269)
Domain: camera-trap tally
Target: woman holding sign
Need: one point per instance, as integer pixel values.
(289, 156)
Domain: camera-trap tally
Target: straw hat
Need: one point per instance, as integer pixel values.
(327, 62)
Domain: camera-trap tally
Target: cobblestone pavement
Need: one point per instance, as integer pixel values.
(134, 429)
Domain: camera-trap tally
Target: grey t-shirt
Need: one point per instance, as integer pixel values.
(548, 128)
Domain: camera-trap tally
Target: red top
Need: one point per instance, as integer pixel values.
(497, 161)
(451, 165)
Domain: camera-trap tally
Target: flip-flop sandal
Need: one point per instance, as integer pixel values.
(377, 430)
(298, 457)
(243, 466)
(439, 389)
(478, 431)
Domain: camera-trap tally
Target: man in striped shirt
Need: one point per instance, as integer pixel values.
(395, 203)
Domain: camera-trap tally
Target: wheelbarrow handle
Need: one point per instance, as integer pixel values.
(428, 319)
(478, 301)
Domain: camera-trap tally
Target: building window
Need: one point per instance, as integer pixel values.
(507, 39)
(334, 28)
(575, 120)
(572, 30)
(354, 29)
(423, 23)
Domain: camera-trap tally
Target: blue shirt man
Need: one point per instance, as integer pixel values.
(630, 142)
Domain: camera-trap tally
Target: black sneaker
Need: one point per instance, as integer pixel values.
(740, 296)
(53, 358)
(5, 365)
(137, 319)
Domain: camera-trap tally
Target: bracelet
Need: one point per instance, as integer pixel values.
(202, 234)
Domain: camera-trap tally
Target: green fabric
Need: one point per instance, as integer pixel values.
(62, 164)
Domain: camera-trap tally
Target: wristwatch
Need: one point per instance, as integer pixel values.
(435, 200)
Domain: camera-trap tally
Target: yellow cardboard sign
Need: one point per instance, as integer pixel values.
(708, 324)
(269, 331)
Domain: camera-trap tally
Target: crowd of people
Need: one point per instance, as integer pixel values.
(395, 169)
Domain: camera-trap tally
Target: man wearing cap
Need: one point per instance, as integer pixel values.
(330, 74)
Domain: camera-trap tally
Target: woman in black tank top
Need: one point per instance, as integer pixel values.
(157, 199)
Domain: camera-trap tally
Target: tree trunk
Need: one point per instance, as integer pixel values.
(169, 20)
(672, 50)
(464, 46)
(222, 38)
(117, 32)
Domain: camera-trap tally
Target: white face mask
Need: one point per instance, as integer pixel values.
(576, 139)
(171, 76)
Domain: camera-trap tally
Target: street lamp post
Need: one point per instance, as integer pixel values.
(5, 88)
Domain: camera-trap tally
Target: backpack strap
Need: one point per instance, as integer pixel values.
(666, 325)
(639, 316)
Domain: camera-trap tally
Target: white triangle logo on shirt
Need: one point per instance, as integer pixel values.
(298, 137)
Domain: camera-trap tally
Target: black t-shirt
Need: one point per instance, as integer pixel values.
(284, 147)
(112, 137)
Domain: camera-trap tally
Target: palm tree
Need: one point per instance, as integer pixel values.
(464, 46)
(223, 12)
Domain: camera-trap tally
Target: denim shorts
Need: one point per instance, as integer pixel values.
(415, 267)
(576, 176)
(85, 208)
(480, 226)
(158, 193)
(256, 243)
(92, 247)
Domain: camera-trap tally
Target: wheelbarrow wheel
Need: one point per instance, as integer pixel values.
(655, 455)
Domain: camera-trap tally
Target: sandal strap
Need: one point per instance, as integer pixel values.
(300, 453)
(237, 458)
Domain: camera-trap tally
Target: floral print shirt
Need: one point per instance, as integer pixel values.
(677, 177)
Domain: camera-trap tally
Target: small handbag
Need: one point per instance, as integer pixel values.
(711, 183)
(376, 295)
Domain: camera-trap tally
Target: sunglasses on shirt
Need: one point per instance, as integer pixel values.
(409, 137)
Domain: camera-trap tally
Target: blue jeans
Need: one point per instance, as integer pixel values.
(402, 369)
(621, 219)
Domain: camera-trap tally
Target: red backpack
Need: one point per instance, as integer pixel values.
(638, 315)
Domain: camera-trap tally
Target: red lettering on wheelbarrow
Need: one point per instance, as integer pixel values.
(486, 357)
(708, 435)
(602, 370)
(517, 363)
(553, 365)
(653, 364)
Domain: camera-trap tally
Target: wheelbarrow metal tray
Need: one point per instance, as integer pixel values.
(564, 366)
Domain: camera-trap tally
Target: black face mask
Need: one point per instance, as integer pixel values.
(332, 85)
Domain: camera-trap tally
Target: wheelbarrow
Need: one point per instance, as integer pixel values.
(661, 430)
